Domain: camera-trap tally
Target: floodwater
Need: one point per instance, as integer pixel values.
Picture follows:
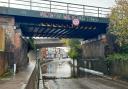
(57, 69)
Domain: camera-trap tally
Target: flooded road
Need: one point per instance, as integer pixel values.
(60, 73)
(57, 69)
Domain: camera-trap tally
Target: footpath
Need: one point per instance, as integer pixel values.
(19, 80)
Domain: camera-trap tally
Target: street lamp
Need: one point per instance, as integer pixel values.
(38, 67)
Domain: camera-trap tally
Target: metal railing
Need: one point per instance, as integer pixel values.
(58, 7)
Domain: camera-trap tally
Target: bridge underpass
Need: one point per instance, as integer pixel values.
(92, 22)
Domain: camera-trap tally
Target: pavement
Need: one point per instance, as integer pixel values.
(19, 80)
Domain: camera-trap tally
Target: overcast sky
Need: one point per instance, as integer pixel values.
(100, 3)
(90, 11)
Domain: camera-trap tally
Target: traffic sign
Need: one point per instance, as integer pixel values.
(75, 22)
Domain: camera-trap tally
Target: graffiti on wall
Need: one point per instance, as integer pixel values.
(68, 16)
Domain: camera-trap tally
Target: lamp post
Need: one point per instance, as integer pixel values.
(38, 67)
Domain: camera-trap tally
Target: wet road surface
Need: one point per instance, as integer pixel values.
(85, 83)
(61, 70)
(57, 68)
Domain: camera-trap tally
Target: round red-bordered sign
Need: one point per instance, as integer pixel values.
(75, 22)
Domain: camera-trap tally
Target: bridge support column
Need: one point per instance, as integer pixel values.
(13, 48)
(6, 42)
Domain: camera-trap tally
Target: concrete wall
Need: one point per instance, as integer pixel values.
(93, 50)
(93, 55)
(33, 81)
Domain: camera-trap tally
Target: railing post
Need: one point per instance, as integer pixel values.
(50, 6)
(30, 4)
(38, 67)
(8, 3)
(84, 10)
(67, 8)
(98, 12)
(38, 73)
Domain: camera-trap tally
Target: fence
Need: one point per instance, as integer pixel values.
(55, 6)
(119, 68)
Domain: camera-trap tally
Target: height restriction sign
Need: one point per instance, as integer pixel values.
(76, 22)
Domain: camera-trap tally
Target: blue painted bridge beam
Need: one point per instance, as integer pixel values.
(85, 30)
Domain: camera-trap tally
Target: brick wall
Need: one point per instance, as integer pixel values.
(20, 50)
(16, 48)
(3, 63)
(43, 53)
(6, 23)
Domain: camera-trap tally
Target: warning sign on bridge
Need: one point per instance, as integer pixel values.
(75, 22)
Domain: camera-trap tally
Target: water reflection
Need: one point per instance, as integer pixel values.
(58, 68)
